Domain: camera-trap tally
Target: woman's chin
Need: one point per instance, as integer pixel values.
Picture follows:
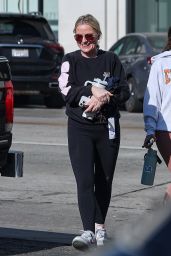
(86, 49)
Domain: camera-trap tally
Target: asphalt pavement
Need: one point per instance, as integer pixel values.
(39, 213)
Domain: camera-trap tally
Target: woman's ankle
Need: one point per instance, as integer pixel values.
(99, 226)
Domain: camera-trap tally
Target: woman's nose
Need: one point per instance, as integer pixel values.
(84, 39)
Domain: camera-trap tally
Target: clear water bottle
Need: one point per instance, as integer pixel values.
(150, 162)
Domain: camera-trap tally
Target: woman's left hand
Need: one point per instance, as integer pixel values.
(101, 95)
(149, 140)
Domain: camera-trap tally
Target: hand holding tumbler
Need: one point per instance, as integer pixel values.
(150, 162)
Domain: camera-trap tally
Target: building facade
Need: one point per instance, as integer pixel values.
(116, 17)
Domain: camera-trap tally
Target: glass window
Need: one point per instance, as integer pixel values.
(117, 48)
(141, 49)
(25, 6)
(51, 14)
(25, 27)
(157, 42)
(152, 16)
(131, 46)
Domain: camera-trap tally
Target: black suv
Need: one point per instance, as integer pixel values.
(34, 55)
(6, 111)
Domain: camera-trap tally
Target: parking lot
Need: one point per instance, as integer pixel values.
(39, 214)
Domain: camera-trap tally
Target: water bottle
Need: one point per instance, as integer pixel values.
(150, 161)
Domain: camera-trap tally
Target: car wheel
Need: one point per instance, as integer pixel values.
(133, 104)
(54, 101)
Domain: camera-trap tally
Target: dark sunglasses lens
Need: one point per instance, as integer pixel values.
(78, 38)
(89, 37)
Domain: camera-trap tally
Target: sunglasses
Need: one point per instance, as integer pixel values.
(90, 38)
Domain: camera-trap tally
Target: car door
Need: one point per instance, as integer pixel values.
(129, 52)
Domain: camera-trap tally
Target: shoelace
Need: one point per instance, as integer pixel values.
(86, 234)
(100, 233)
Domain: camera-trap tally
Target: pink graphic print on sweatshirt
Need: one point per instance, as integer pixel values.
(63, 79)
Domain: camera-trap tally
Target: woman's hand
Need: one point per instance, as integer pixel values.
(149, 140)
(101, 95)
(93, 105)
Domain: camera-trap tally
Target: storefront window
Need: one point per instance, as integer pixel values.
(23, 6)
(155, 15)
(51, 14)
(148, 15)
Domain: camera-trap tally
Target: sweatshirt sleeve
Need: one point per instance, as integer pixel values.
(70, 90)
(152, 101)
(122, 93)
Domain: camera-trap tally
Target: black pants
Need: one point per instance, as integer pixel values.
(93, 158)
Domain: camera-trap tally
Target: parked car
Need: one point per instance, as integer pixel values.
(135, 51)
(34, 55)
(6, 111)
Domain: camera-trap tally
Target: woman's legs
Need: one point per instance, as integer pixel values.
(81, 151)
(93, 158)
(105, 161)
(163, 141)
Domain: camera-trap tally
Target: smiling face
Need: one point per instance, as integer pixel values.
(86, 38)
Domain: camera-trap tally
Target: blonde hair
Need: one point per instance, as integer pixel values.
(91, 21)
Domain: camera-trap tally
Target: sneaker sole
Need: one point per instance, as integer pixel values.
(80, 245)
(100, 243)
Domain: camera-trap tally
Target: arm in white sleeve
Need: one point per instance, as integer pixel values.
(152, 101)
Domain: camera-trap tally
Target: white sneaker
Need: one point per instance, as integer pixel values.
(101, 236)
(84, 241)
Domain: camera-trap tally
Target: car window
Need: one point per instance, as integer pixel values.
(141, 49)
(157, 42)
(117, 48)
(18, 28)
(6, 28)
(26, 28)
(130, 46)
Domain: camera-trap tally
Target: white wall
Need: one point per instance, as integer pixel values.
(111, 15)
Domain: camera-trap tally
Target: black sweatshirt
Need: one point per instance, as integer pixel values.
(76, 70)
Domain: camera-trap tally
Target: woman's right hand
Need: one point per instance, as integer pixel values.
(101, 95)
(93, 105)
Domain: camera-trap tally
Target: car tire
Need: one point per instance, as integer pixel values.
(133, 104)
(54, 101)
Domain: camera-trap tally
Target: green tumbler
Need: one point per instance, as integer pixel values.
(149, 168)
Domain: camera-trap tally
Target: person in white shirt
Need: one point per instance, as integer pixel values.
(157, 106)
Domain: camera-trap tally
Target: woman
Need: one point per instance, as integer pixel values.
(93, 84)
(157, 106)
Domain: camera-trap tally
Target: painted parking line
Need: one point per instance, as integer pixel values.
(65, 144)
(40, 143)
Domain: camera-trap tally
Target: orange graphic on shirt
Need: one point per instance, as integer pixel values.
(167, 73)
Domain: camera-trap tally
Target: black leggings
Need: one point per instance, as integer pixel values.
(93, 158)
